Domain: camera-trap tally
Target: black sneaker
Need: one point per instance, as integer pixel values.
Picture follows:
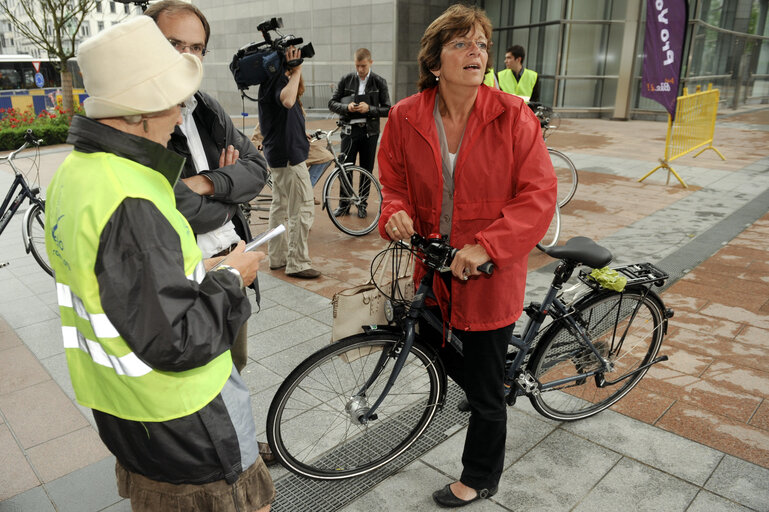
(342, 211)
(362, 214)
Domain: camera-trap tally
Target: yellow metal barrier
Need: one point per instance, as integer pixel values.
(693, 128)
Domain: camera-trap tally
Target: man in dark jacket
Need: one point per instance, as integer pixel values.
(223, 168)
(360, 99)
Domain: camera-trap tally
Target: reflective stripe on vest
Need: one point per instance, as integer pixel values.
(525, 87)
(129, 365)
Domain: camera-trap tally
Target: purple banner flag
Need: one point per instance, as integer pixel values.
(663, 51)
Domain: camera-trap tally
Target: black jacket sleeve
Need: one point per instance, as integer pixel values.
(233, 184)
(171, 322)
(383, 108)
(335, 104)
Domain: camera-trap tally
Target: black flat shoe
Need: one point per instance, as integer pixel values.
(445, 498)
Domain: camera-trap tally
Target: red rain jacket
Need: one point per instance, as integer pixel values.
(504, 197)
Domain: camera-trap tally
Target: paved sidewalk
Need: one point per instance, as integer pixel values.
(693, 436)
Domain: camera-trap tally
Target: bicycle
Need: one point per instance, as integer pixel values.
(565, 170)
(33, 224)
(339, 188)
(357, 404)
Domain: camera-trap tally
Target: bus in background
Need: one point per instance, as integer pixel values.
(26, 81)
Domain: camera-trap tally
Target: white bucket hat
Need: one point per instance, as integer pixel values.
(131, 68)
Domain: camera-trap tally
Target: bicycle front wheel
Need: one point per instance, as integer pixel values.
(566, 173)
(34, 236)
(353, 200)
(313, 423)
(625, 328)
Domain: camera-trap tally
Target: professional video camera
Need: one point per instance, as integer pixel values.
(257, 63)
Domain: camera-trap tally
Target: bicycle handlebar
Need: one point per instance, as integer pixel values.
(438, 254)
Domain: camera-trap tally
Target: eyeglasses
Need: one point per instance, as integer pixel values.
(464, 44)
(179, 46)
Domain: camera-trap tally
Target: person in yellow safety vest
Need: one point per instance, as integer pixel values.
(490, 79)
(516, 79)
(147, 323)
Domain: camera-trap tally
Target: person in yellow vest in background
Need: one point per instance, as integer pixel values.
(490, 79)
(516, 79)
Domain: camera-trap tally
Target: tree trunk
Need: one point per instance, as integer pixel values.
(66, 91)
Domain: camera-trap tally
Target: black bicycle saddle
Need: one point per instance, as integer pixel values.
(582, 250)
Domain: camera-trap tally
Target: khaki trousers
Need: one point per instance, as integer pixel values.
(293, 206)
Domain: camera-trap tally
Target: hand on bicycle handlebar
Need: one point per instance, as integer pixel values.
(468, 260)
(400, 226)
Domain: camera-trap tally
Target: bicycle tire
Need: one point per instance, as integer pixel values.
(336, 193)
(34, 236)
(567, 176)
(638, 313)
(311, 423)
(553, 231)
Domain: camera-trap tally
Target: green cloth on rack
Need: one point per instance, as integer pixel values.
(609, 278)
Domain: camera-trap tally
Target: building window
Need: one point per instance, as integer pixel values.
(86, 29)
(126, 9)
(100, 25)
(112, 7)
(98, 6)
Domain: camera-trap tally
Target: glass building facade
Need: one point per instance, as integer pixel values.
(589, 53)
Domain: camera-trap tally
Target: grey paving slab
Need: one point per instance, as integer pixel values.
(556, 474)
(14, 289)
(270, 318)
(285, 361)
(57, 368)
(326, 316)
(409, 489)
(120, 506)
(34, 499)
(299, 299)
(666, 451)
(258, 377)
(523, 433)
(88, 489)
(742, 482)
(284, 336)
(27, 312)
(43, 338)
(634, 486)
(707, 502)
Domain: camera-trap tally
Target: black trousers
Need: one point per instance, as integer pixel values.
(480, 373)
(358, 145)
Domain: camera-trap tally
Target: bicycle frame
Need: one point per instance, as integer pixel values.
(525, 383)
(9, 208)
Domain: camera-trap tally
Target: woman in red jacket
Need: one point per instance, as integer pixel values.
(469, 162)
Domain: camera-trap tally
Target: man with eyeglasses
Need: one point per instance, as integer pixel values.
(223, 168)
(516, 79)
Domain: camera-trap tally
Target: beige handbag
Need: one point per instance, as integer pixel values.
(364, 305)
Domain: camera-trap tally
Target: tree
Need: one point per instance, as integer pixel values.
(54, 26)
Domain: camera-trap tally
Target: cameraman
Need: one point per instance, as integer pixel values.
(286, 147)
(360, 99)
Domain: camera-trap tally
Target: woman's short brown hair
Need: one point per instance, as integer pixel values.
(455, 21)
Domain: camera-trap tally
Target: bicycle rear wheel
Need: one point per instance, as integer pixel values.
(33, 231)
(348, 194)
(566, 173)
(312, 424)
(553, 231)
(626, 328)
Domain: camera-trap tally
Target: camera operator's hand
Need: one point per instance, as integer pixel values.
(290, 92)
(293, 54)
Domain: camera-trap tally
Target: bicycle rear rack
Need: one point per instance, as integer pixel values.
(636, 273)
